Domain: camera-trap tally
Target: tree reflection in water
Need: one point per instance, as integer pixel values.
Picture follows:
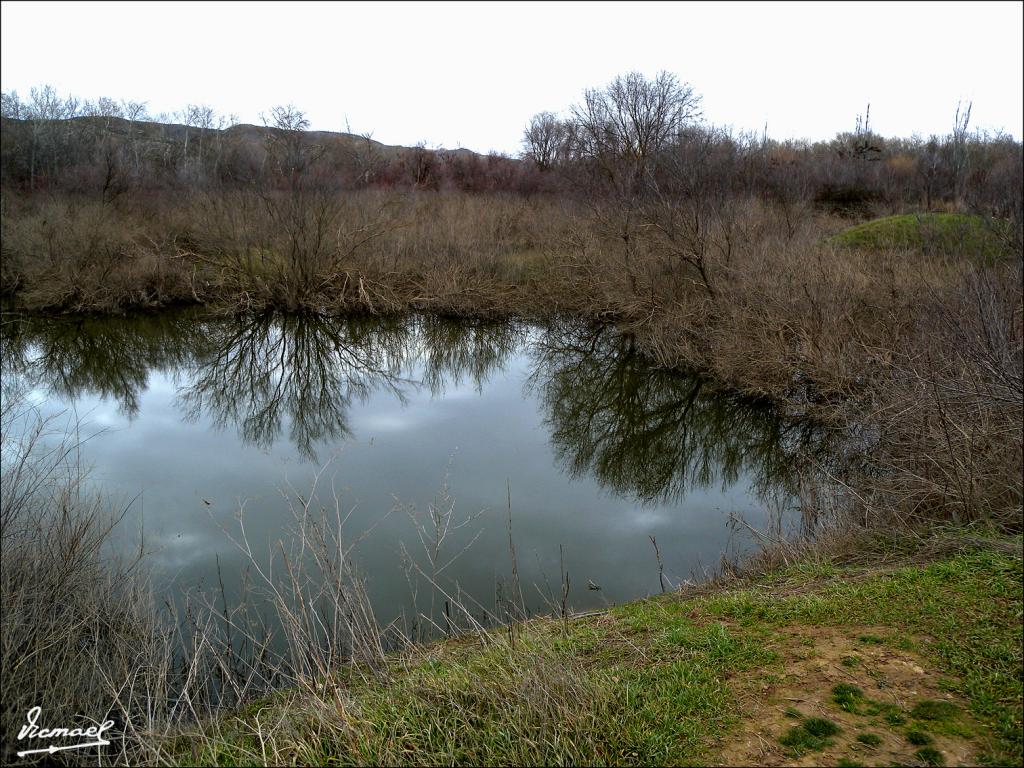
(653, 433)
(450, 350)
(639, 430)
(311, 370)
(257, 372)
(111, 357)
(263, 369)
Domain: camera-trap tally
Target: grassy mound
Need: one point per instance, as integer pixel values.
(947, 233)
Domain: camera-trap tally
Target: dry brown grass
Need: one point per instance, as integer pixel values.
(81, 633)
(84, 639)
(79, 255)
(916, 354)
(915, 358)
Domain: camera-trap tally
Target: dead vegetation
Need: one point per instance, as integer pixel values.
(913, 355)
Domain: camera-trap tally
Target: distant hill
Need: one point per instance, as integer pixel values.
(157, 131)
(108, 154)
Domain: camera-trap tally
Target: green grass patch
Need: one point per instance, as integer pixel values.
(930, 756)
(812, 735)
(918, 737)
(539, 704)
(820, 727)
(946, 233)
(871, 739)
(848, 697)
(941, 717)
(930, 709)
(890, 713)
(970, 605)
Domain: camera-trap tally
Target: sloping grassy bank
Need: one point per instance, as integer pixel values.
(893, 652)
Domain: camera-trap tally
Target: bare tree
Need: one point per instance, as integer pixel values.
(693, 220)
(958, 147)
(203, 117)
(105, 147)
(929, 168)
(134, 112)
(307, 214)
(45, 110)
(421, 164)
(364, 155)
(544, 140)
(623, 137)
(624, 126)
(103, 107)
(287, 145)
(11, 106)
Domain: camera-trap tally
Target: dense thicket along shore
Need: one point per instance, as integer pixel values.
(873, 286)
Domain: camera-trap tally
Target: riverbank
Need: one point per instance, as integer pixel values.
(914, 342)
(911, 355)
(900, 649)
(861, 646)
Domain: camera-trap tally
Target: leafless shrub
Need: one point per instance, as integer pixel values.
(82, 255)
(952, 431)
(81, 637)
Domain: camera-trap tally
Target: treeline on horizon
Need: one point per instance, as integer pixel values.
(636, 132)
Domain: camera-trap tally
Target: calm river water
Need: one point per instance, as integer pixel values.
(567, 428)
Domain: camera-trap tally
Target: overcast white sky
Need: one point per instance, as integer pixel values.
(472, 74)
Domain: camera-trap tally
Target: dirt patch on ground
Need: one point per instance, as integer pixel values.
(887, 697)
